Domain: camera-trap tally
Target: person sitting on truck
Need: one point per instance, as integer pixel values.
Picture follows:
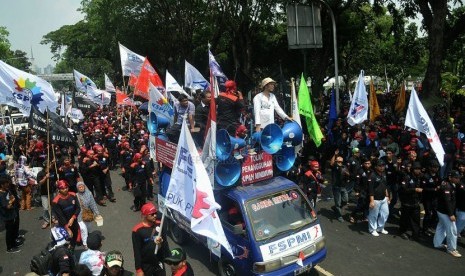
(178, 263)
(235, 216)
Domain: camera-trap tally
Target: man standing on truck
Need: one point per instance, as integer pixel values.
(144, 240)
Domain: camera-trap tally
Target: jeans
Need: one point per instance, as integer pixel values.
(46, 207)
(446, 229)
(378, 215)
(460, 223)
(341, 197)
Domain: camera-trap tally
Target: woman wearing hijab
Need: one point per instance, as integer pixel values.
(87, 202)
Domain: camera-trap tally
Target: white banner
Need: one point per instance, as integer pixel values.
(190, 191)
(109, 87)
(193, 79)
(417, 118)
(83, 82)
(130, 61)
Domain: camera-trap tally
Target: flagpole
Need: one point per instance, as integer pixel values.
(48, 178)
(292, 98)
(161, 229)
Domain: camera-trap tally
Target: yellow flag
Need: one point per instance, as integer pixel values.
(373, 103)
(400, 102)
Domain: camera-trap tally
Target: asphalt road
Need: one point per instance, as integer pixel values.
(351, 249)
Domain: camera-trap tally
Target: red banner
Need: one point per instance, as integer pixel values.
(166, 151)
(256, 168)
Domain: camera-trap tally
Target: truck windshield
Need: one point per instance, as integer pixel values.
(278, 213)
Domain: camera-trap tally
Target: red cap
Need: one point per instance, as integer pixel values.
(314, 164)
(89, 153)
(372, 135)
(137, 157)
(230, 85)
(241, 130)
(148, 209)
(61, 184)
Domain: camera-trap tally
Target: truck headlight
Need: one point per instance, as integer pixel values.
(262, 267)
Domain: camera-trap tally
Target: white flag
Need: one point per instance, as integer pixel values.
(100, 97)
(190, 191)
(63, 106)
(172, 85)
(130, 61)
(193, 79)
(159, 104)
(295, 113)
(109, 87)
(417, 118)
(358, 111)
(76, 114)
(83, 82)
(21, 90)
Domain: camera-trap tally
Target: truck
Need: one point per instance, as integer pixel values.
(270, 225)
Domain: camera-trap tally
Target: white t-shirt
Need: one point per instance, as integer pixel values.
(264, 108)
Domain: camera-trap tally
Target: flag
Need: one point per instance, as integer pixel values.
(209, 146)
(306, 109)
(295, 112)
(216, 72)
(400, 102)
(160, 105)
(332, 114)
(131, 62)
(84, 104)
(123, 99)
(37, 121)
(109, 87)
(76, 114)
(147, 75)
(358, 111)
(100, 97)
(374, 107)
(388, 86)
(132, 80)
(23, 90)
(417, 118)
(63, 106)
(193, 79)
(172, 85)
(83, 82)
(301, 259)
(190, 192)
(59, 132)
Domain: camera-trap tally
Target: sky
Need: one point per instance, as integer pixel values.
(28, 21)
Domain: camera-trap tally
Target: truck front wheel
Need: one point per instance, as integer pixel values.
(178, 235)
(226, 268)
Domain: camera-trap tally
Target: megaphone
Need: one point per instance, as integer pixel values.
(270, 138)
(155, 122)
(285, 158)
(292, 133)
(225, 144)
(227, 172)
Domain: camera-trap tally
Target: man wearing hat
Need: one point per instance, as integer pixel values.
(144, 239)
(230, 105)
(178, 263)
(447, 228)
(114, 265)
(410, 191)
(378, 200)
(265, 104)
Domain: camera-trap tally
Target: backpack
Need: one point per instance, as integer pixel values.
(42, 262)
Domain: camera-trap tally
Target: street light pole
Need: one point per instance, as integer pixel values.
(336, 68)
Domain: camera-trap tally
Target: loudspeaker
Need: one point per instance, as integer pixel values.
(227, 172)
(292, 133)
(285, 158)
(225, 144)
(270, 138)
(155, 122)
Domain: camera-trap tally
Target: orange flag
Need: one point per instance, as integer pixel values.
(123, 99)
(132, 80)
(400, 102)
(373, 103)
(147, 74)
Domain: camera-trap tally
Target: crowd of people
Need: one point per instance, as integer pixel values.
(380, 162)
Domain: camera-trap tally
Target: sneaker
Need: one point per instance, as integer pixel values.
(455, 253)
(340, 219)
(404, 236)
(19, 243)
(442, 246)
(384, 232)
(44, 225)
(13, 250)
(375, 234)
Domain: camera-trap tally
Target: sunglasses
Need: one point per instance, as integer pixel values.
(173, 264)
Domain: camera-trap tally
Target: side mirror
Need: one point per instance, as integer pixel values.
(238, 229)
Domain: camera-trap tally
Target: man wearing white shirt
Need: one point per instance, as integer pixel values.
(265, 104)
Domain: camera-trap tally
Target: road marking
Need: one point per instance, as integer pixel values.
(323, 271)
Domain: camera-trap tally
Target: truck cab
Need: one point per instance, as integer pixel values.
(270, 225)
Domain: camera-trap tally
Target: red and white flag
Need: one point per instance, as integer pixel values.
(209, 147)
(123, 99)
(147, 75)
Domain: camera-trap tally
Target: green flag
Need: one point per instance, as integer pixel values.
(306, 109)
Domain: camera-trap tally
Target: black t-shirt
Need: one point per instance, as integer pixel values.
(377, 185)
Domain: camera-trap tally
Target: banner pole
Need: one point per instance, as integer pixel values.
(48, 178)
(161, 228)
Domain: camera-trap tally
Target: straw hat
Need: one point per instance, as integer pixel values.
(266, 81)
